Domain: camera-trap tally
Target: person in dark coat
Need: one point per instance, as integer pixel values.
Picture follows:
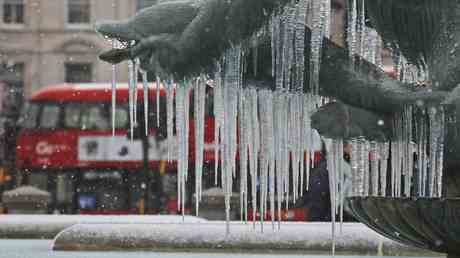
(317, 199)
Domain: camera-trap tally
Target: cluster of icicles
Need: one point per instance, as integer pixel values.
(270, 132)
(410, 166)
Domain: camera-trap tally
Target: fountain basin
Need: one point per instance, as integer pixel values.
(427, 223)
(295, 237)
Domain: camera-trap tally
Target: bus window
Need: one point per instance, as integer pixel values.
(49, 116)
(29, 115)
(94, 117)
(121, 117)
(72, 116)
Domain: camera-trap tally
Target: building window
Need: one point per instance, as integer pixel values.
(141, 4)
(15, 93)
(81, 72)
(78, 11)
(12, 11)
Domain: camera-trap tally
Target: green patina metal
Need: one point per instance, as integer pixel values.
(186, 37)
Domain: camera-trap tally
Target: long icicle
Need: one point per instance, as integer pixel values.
(132, 89)
(157, 94)
(137, 64)
(199, 103)
(145, 85)
(114, 89)
(170, 118)
(218, 118)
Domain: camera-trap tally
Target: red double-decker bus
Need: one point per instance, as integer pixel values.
(66, 147)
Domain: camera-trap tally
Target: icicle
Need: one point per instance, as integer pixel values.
(146, 101)
(187, 135)
(354, 164)
(440, 152)
(182, 122)
(432, 148)
(285, 150)
(327, 18)
(157, 94)
(180, 130)
(170, 117)
(244, 128)
(292, 145)
(279, 141)
(199, 104)
(351, 29)
(408, 155)
(361, 27)
(300, 25)
(229, 153)
(275, 35)
(232, 84)
(287, 47)
(137, 64)
(254, 148)
(367, 186)
(309, 151)
(267, 151)
(341, 182)
(218, 117)
(383, 159)
(132, 89)
(320, 29)
(331, 167)
(394, 168)
(422, 155)
(362, 160)
(114, 89)
(374, 166)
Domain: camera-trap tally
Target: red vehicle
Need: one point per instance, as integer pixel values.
(66, 146)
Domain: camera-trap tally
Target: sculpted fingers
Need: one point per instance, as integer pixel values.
(115, 56)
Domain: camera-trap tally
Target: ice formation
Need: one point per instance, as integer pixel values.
(268, 130)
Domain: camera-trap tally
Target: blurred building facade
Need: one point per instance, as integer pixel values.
(44, 42)
(53, 41)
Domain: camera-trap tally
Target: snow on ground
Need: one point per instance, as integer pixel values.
(42, 249)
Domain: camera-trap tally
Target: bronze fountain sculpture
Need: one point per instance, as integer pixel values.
(185, 38)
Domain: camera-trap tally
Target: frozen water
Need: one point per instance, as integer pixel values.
(157, 94)
(320, 29)
(351, 28)
(199, 104)
(114, 88)
(170, 116)
(182, 122)
(132, 104)
(271, 130)
(145, 85)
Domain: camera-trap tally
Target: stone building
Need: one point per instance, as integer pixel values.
(53, 41)
(45, 42)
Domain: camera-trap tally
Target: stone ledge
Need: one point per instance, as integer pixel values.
(310, 238)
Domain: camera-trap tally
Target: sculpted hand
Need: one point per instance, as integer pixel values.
(340, 121)
(151, 35)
